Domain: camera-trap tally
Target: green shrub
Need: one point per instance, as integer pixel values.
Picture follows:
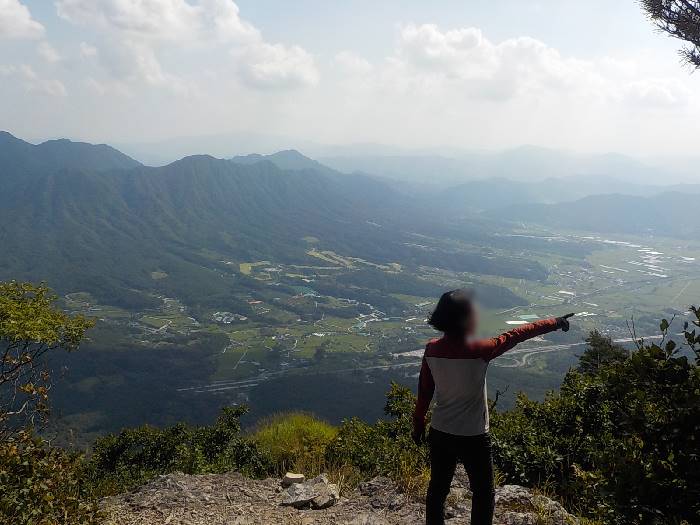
(295, 441)
(42, 485)
(39, 484)
(621, 441)
(134, 456)
(385, 448)
(31, 328)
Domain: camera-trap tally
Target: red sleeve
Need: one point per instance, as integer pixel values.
(426, 387)
(491, 348)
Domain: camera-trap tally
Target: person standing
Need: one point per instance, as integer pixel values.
(453, 372)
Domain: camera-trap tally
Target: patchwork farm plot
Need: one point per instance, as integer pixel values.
(342, 313)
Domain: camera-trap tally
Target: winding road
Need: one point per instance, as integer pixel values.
(517, 358)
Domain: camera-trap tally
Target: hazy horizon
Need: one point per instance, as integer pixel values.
(430, 78)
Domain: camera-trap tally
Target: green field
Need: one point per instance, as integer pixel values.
(342, 314)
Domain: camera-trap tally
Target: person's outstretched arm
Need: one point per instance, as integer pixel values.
(426, 388)
(492, 348)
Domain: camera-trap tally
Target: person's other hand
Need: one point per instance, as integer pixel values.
(418, 436)
(563, 322)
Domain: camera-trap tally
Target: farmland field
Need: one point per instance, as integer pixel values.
(346, 320)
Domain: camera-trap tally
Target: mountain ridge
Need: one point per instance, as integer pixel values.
(17, 154)
(661, 214)
(121, 225)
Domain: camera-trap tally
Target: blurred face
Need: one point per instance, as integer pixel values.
(472, 321)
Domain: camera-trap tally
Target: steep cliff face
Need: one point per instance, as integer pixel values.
(179, 499)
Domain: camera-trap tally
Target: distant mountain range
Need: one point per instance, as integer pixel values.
(87, 217)
(670, 214)
(18, 156)
(498, 193)
(509, 197)
(76, 220)
(285, 160)
(437, 167)
(524, 164)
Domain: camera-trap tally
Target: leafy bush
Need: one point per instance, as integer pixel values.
(131, 458)
(39, 484)
(385, 448)
(600, 352)
(295, 441)
(620, 441)
(42, 485)
(30, 328)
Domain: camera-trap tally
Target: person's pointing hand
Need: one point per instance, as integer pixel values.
(563, 322)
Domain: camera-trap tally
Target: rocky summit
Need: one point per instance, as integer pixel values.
(232, 499)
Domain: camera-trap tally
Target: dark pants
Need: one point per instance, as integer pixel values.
(474, 452)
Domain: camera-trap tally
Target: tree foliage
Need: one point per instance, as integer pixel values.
(679, 19)
(30, 326)
(122, 461)
(600, 352)
(620, 441)
(39, 484)
(42, 485)
(386, 447)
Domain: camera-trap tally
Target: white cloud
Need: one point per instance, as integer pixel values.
(52, 87)
(87, 50)
(16, 21)
(113, 88)
(162, 19)
(437, 86)
(143, 28)
(487, 69)
(277, 66)
(224, 17)
(352, 63)
(31, 82)
(23, 71)
(48, 53)
(460, 53)
(460, 88)
(657, 93)
(429, 60)
(131, 63)
(169, 19)
(142, 62)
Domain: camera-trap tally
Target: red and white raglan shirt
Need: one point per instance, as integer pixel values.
(454, 372)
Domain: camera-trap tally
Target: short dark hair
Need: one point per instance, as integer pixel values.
(452, 310)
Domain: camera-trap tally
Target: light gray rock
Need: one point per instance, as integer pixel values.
(290, 478)
(518, 518)
(317, 493)
(527, 507)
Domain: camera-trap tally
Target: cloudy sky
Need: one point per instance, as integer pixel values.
(583, 76)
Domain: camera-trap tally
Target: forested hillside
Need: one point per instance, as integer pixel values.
(118, 226)
(18, 157)
(663, 214)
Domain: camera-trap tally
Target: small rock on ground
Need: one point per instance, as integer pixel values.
(290, 478)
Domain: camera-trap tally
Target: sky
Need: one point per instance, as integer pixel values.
(588, 76)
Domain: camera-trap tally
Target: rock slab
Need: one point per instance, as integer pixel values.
(232, 499)
(316, 494)
(290, 478)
